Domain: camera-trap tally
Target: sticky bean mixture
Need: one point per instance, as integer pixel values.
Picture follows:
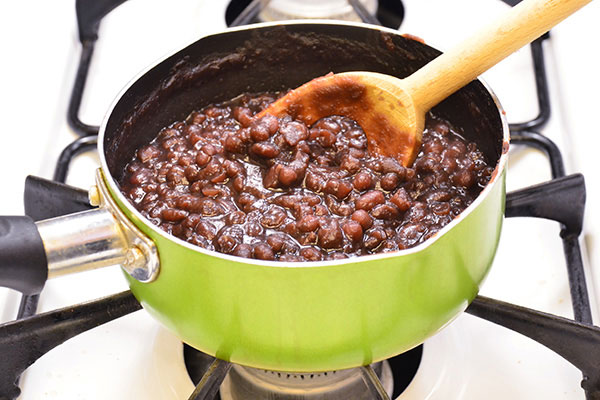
(276, 189)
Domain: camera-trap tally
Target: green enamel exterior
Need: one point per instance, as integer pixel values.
(319, 318)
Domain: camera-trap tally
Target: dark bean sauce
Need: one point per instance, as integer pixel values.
(275, 189)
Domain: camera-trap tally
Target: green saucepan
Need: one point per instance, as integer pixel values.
(302, 317)
(305, 316)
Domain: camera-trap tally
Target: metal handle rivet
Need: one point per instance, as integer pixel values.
(94, 196)
(135, 257)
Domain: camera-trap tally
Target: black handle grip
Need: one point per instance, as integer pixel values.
(23, 264)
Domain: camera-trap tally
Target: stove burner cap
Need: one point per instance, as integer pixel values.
(278, 10)
(390, 13)
(244, 383)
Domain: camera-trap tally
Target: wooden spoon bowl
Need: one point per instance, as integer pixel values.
(374, 100)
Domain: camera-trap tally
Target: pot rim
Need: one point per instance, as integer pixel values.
(120, 198)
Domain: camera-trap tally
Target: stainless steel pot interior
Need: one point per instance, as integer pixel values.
(270, 57)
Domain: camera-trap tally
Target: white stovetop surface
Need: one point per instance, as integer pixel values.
(135, 358)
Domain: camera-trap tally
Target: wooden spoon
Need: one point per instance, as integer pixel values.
(391, 111)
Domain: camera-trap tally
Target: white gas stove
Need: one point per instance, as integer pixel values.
(134, 357)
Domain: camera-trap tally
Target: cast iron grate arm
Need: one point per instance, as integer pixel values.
(89, 14)
(363, 13)
(373, 383)
(211, 381)
(23, 341)
(572, 210)
(576, 342)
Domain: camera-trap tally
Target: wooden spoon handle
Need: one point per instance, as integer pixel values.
(460, 65)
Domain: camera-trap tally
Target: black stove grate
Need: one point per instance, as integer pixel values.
(25, 340)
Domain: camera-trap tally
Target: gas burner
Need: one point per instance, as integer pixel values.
(386, 12)
(245, 383)
(395, 375)
(277, 10)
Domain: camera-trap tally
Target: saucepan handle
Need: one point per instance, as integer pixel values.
(82, 241)
(31, 252)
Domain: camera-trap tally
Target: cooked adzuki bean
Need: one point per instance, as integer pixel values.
(276, 189)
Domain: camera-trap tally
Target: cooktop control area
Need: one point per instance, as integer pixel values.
(470, 359)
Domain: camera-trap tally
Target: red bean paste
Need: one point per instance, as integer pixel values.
(275, 189)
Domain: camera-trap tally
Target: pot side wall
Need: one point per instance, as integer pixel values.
(321, 318)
